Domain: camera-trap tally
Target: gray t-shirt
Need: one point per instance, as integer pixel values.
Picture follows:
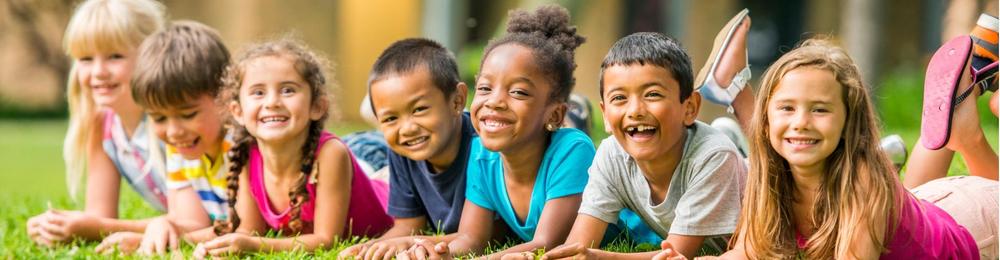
(704, 194)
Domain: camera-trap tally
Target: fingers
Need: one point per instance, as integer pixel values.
(562, 251)
(199, 251)
(369, 251)
(54, 230)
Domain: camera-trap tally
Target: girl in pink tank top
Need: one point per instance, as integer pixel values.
(286, 173)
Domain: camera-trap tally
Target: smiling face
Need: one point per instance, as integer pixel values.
(642, 106)
(806, 115)
(106, 75)
(275, 102)
(195, 129)
(423, 124)
(511, 105)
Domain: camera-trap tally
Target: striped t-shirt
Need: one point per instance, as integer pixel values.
(207, 176)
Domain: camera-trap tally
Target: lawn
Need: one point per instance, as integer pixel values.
(30, 153)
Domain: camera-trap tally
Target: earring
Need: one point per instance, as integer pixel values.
(551, 127)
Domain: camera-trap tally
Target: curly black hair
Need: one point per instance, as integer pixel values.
(552, 40)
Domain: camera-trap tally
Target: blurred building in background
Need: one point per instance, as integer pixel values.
(885, 36)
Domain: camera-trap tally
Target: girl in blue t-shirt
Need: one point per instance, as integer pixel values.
(522, 167)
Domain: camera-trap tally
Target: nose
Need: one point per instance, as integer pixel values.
(271, 99)
(174, 130)
(496, 100)
(100, 68)
(635, 109)
(408, 127)
(800, 121)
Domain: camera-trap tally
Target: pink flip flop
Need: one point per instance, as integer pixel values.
(944, 72)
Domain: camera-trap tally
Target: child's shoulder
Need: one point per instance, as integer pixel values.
(704, 141)
(569, 137)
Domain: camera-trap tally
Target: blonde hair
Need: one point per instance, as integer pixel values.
(858, 192)
(99, 26)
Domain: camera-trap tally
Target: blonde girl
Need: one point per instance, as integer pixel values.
(107, 136)
(286, 173)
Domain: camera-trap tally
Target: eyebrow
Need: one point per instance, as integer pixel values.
(410, 102)
(643, 86)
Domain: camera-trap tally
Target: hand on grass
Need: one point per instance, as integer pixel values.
(124, 242)
(228, 244)
(667, 252)
(384, 249)
(57, 226)
(571, 251)
(160, 236)
(424, 249)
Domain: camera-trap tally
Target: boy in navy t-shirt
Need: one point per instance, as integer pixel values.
(418, 102)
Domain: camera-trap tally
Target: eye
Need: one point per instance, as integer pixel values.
(519, 93)
(483, 88)
(616, 97)
(821, 110)
(420, 109)
(654, 94)
(388, 119)
(785, 108)
(85, 59)
(189, 115)
(158, 118)
(256, 92)
(116, 56)
(287, 90)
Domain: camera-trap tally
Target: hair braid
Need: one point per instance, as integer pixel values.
(300, 195)
(238, 156)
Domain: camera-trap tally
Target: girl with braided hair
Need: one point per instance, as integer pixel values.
(282, 160)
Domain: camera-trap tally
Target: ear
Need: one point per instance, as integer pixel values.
(607, 125)
(236, 111)
(558, 114)
(319, 109)
(458, 97)
(691, 107)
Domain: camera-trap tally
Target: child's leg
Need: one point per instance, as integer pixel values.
(732, 62)
(972, 202)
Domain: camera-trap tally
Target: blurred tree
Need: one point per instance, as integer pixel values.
(36, 27)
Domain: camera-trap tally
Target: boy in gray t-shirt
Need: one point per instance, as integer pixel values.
(682, 177)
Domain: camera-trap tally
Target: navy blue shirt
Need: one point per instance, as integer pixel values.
(415, 190)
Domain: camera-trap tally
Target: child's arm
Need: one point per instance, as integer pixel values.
(474, 230)
(553, 226)
(103, 179)
(251, 225)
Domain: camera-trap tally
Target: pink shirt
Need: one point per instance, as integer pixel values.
(925, 232)
(366, 214)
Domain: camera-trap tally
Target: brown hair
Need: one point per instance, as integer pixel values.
(311, 67)
(858, 192)
(179, 64)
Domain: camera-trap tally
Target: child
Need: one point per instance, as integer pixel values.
(819, 186)
(429, 136)
(286, 173)
(177, 77)
(107, 134)
(681, 176)
(522, 167)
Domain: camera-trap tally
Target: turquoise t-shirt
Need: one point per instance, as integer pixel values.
(563, 172)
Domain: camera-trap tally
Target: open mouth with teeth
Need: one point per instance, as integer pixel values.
(416, 141)
(273, 120)
(186, 145)
(640, 131)
(801, 141)
(103, 88)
